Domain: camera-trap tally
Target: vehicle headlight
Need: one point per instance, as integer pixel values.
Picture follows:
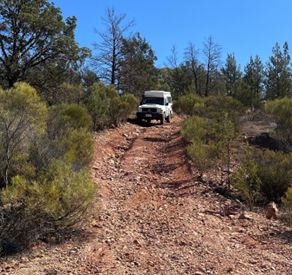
(159, 110)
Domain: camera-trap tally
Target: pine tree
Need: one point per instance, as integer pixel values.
(278, 73)
(137, 70)
(254, 79)
(231, 74)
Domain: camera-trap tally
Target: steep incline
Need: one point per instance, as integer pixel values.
(155, 218)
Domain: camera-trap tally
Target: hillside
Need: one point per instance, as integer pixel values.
(155, 218)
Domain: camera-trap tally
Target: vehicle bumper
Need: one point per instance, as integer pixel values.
(145, 115)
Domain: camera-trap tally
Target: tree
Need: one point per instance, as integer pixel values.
(231, 74)
(49, 78)
(32, 33)
(107, 60)
(278, 73)
(254, 78)
(192, 62)
(137, 70)
(212, 53)
(180, 77)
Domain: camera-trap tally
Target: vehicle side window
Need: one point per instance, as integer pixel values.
(169, 99)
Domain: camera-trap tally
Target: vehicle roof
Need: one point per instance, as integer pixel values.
(157, 93)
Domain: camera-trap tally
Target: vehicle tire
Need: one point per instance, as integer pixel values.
(168, 118)
(162, 120)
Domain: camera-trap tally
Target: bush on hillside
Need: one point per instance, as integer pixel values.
(30, 210)
(281, 109)
(107, 108)
(287, 202)
(22, 120)
(275, 173)
(45, 171)
(220, 106)
(189, 105)
(210, 140)
(247, 180)
(266, 175)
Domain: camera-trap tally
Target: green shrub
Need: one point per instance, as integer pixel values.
(218, 106)
(281, 109)
(189, 105)
(78, 148)
(98, 102)
(206, 141)
(22, 119)
(68, 93)
(196, 129)
(68, 138)
(287, 202)
(107, 108)
(267, 173)
(203, 155)
(210, 140)
(247, 180)
(45, 168)
(132, 102)
(65, 117)
(31, 210)
(275, 173)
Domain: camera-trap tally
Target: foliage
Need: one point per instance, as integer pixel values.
(107, 60)
(219, 106)
(211, 130)
(137, 69)
(32, 209)
(247, 180)
(189, 105)
(278, 73)
(231, 74)
(287, 202)
(69, 93)
(68, 116)
(213, 107)
(281, 109)
(106, 107)
(203, 155)
(32, 34)
(193, 65)
(253, 80)
(266, 174)
(210, 141)
(22, 119)
(275, 173)
(45, 155)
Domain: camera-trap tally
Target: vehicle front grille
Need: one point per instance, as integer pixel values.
(150, 110)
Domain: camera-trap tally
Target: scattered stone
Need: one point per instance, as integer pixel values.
(244, 216)
(272, 211)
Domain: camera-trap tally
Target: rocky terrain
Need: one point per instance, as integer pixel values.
(154, 217)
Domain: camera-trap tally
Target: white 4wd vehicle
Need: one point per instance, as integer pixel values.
(155, 105)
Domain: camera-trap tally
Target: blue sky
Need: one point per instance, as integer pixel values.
(242, 27)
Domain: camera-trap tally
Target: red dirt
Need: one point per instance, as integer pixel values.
(154, 217)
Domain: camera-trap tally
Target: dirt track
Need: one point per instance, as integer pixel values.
(155, 218)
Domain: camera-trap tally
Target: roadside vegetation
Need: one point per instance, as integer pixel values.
(213, 133)
(54, 94)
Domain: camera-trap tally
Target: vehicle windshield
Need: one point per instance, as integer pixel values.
(153, 100)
